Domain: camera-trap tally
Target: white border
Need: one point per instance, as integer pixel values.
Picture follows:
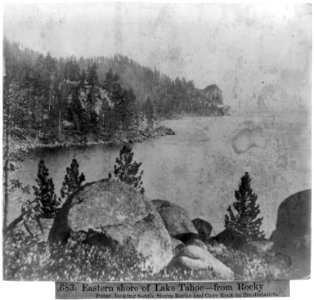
(299, 289)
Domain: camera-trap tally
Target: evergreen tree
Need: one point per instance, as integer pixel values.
(45, 192)
(245, 223)
(128, 110)
(108, 121)
(83, 77)
(72, 180)
(126, 170)
(71, 70)
(118, 97)
(90, 109)
(149, 112)
(92, 76)
(109, 80)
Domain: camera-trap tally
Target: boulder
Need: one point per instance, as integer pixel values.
(68, 125)
(176, 220)
(204, 228)
(113, 213)
(176, 245)
(292, 235)
(261, 246)
(196, 257)
(163, 130)
(228, 237)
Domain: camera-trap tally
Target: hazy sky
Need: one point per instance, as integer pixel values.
(257, 54)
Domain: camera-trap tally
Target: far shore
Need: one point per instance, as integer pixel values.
(19, 148)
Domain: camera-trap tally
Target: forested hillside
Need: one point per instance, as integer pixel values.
(51, 98)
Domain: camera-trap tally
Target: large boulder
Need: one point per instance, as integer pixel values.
(176, 245)
(203, 227)
(113, 213)
(229, 238)
(195, 257)
(176, 220)
(292, 235)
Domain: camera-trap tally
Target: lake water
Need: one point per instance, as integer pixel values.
(199, 168)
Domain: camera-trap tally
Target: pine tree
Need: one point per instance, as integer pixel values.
(83, 77)
(128, 110)
(149, 112)
(45, 192)
(126, 170)
(92, 76)
(72, 180)
(245, 223)
(118, 98)
(109, 80)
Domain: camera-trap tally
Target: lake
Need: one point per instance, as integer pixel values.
(200, 167)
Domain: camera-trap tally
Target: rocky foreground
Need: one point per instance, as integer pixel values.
(108, 231)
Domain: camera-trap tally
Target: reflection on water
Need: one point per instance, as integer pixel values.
(198, 168)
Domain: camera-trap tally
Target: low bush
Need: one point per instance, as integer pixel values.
(250, 265)
(28, 258)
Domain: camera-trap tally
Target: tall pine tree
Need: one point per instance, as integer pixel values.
(245, 222)
(72, 180)
(126, 170)
(45, 192)
(148, 110)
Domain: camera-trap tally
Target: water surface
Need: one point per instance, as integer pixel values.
(198, 168)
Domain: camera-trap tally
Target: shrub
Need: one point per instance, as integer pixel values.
(26, 258)
(250, 265)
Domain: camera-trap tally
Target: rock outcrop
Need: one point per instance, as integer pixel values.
(228, 238)
(176, 245)
(195, 256)
(292, 236)
(113, 213)
(204, 228)
(214, 94)
(176, 220)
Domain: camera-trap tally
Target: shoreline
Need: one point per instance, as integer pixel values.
(19, 149)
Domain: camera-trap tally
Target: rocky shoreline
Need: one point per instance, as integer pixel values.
(19, 148)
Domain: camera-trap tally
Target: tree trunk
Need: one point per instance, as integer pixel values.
(6, 163)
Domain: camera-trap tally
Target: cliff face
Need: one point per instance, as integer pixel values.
(82, 93)
(213, 94)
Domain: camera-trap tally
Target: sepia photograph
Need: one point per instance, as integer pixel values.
(156, 142)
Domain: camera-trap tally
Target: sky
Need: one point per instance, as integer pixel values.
(259, 55)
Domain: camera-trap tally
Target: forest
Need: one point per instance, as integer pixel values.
(51, 98)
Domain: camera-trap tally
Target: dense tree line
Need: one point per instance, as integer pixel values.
(50, 97)
(168, 96)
